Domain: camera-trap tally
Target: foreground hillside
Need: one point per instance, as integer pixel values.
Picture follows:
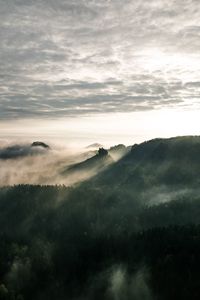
(61, 243)
(131, 232)
(173, 161)
(156, 170)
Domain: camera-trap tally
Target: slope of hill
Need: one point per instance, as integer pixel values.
(171, 162)
(89, 167)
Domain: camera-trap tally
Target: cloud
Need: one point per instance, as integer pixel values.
(69, 58)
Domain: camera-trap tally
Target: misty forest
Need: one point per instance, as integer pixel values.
(99, 150)
(129, 228)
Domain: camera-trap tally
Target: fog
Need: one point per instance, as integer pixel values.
(126, 287)
(42, 163)
(24, 164)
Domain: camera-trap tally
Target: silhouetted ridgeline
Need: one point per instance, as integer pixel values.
(131, 232)
(171, 162)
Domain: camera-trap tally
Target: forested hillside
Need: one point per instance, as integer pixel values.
(131, 232)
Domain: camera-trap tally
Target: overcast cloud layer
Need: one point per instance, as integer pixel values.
(71, 57)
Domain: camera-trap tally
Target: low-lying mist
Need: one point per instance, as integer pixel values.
(52, 164)
(26, 163)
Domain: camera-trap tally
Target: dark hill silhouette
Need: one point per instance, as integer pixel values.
(171, 162)
(40, 144)
(23, 150)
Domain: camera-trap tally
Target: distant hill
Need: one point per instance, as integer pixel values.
(23, 150)
(40, 144)
(95, 145)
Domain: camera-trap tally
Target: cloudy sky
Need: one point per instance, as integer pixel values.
(99, 70)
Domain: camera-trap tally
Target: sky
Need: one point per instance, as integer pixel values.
(106, 71)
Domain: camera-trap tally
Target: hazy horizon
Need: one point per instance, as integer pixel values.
(127, 128)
